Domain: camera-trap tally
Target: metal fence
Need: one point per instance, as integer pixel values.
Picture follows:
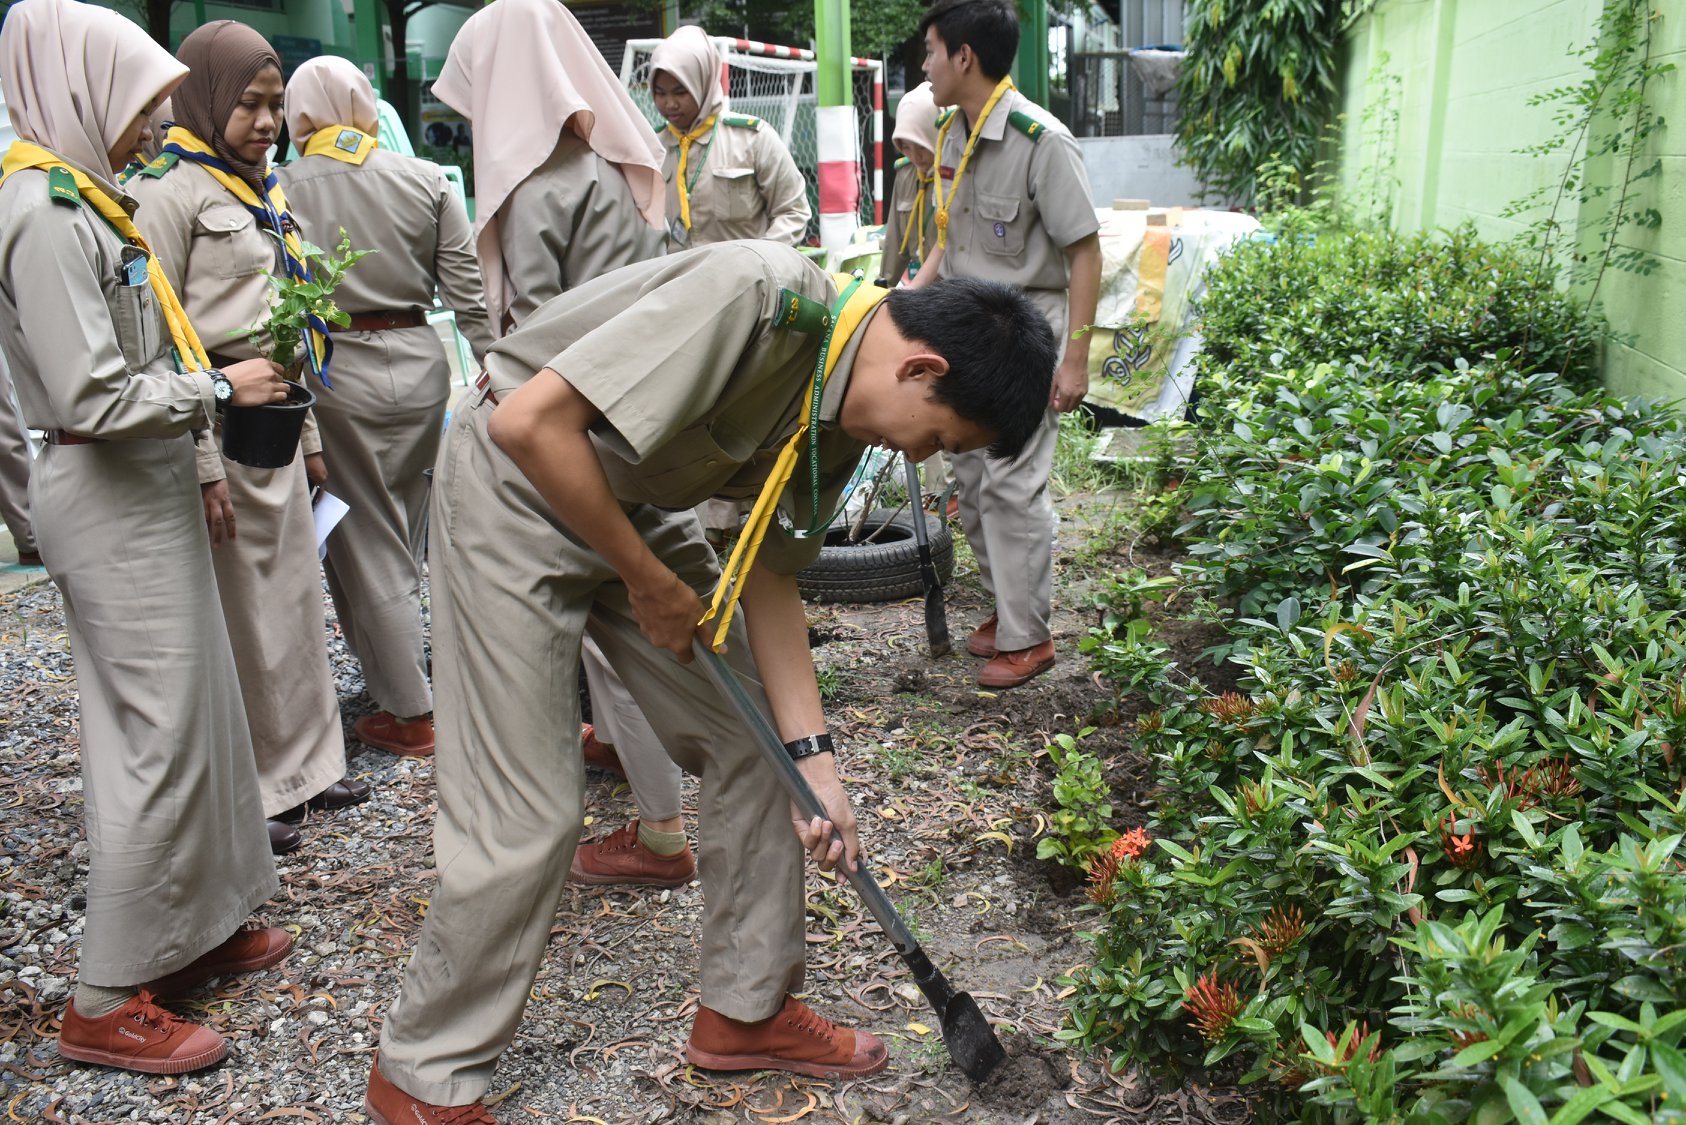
(1108, 98)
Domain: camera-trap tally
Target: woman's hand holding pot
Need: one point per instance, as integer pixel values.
(256, 382)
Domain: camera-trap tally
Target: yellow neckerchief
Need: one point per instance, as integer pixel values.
(851, 309)
(25, 154)
(918, 218)
(685, 140)
(943, 205)
(341, 142)
(271, 212)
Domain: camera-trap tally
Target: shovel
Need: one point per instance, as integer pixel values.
(967, 1034)
(936, 614)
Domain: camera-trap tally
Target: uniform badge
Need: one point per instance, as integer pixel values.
(348, 140)
(680, 234)
(1000, 230)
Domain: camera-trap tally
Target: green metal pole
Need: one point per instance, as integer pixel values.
(831, 46)
(1031, 70)
(370, 49)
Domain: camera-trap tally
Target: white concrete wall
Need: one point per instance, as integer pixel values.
(1143, 167)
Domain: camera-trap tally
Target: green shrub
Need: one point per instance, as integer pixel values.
(1422, 864)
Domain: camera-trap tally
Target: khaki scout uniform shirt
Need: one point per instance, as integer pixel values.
(698, 395)
(216, 257)
(1022, 201)
(900, 216)
(741, 182)
(571, 220)
(408, 209)
(111, 371)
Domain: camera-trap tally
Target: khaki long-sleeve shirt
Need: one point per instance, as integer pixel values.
(407, 211)
(89, 353)
(742, 183)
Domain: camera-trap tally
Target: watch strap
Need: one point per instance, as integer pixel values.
(807, 746)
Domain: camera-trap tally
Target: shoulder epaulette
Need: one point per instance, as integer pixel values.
(902, 162)
(804, 314)
(158, 167)
(741, 120)
(61, 187)
(661, 127)
(942, 118)
(1026, 124)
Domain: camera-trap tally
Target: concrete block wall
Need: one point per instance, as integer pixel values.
(1467, 70)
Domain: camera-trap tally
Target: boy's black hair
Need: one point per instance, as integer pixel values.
(1000, 351)
(989, 27)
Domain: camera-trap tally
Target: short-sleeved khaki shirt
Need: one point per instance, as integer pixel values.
(741, 182)
(1021, 202)
(699, 390)
(898, 217)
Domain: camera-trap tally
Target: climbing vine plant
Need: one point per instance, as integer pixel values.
(1257, 86)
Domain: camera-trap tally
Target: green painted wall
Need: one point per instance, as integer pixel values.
(1465, 71)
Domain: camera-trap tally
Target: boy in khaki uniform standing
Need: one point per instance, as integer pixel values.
(560, 511)
(1013, 206)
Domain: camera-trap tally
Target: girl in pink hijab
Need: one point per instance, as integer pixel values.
(105, 361)
(567, 173)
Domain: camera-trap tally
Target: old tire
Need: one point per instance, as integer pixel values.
(884, 570)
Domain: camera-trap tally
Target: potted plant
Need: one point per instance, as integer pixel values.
(267, 437)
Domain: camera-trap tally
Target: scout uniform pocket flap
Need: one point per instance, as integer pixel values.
(996, 227)
(223, 219)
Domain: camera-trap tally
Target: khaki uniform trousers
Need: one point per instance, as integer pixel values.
(1008, 517)
(654, 777)
(380, 429)
(179, 855)
(513, 594)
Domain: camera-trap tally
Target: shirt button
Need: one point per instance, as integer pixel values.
(709, 464)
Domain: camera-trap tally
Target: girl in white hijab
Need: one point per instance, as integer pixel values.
(566, 173)
(909, 232)
(92, 329)
(728, 175)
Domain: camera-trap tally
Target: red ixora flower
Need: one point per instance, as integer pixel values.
(1131, 845)
(1463, 852)
(1212, 1006)
(1279, 930)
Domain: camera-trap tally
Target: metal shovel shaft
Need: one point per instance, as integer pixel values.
(936, 613)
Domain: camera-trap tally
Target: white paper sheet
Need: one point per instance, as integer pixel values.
(328, 511)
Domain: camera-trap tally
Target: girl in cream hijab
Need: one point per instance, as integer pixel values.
(91, 326)
(728, 175)
(909, 229)
(566, 173)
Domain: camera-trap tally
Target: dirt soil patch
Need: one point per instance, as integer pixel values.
(950, 782)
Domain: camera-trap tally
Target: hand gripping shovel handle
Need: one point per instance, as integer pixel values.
(936, 613)
(970, 1039)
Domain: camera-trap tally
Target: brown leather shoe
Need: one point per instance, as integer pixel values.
(797, 1039)
(599, 755)
(140, 1036)
(1010, 669)
(982, 641)
(385, 731)
(622, 858)
(250, 949)
(386, 1104)
(283, 837)
(341, 794)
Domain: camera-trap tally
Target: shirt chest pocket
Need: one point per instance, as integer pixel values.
(229, 246)
(738, 200)
(1001, 224)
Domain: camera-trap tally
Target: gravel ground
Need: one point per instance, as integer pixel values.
(947, 781)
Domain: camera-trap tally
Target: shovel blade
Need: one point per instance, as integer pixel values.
(936, 621)
(970, 1040)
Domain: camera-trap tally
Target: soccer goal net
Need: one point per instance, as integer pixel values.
(776, 84)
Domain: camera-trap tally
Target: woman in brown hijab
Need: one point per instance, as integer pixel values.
(104, 361)
(208, 205)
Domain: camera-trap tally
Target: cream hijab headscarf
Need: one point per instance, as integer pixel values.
(521, 71)
(689, 55)
(76, 77)
(326, 91)
(916, 118)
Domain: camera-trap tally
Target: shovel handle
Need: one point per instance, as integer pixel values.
(915, 498)
(772, 749)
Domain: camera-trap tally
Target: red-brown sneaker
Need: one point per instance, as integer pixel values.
(140, 1036)
(622, 858)
(386, 1104)
(797, 1039)
(250, 949)
(982, 641)
(385, 731)
(1010, 669)
(599, 755)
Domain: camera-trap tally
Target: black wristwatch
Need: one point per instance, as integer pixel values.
(220, 386)
(808, 746)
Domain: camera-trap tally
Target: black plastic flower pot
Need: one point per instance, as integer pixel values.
(266, 437)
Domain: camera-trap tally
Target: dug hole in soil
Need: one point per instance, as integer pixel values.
(948, 781)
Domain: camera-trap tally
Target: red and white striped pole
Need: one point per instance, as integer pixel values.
(839, 147)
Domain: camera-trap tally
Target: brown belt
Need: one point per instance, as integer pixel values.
(381, 320)
(65, 437)
(484, 386)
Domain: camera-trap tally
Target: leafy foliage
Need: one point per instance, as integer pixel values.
(1424, 865)
(292, 301)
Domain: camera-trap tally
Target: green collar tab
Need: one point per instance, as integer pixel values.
(158, 167)
(1026, 124)
(741, 121)
(902, 162)
(942, 118)
(61, 187)
(806, 315)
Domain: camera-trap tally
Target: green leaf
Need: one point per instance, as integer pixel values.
(1581, 1105)
(1523, 1103)
(1476, 1052)
(1671, 1065)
